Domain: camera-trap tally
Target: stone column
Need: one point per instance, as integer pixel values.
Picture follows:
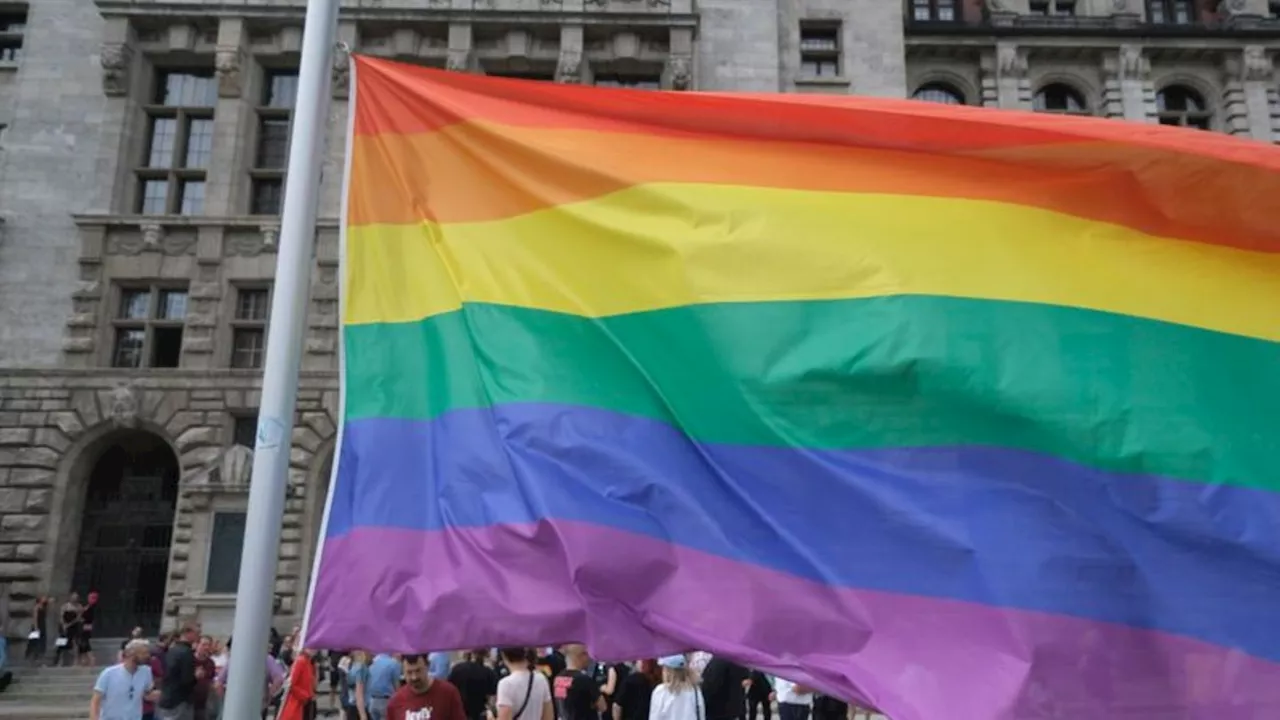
(678, 74)
(226, 189)
(461, 58)
(1249, 78)
(125, 84)
(1005, 83)
(1127, 90)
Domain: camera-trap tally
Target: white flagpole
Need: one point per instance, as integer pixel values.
(246, 674)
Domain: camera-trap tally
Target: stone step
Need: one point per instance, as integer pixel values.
(43, 711)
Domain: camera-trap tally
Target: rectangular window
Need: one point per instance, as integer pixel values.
(172, 178)
(249, 328)
(148, 326)
(225, 545)
(1171, 12)
(13, 26)
(935, 10)
(245, 431)
(819, 49)
(275, 112)
(1053, 8)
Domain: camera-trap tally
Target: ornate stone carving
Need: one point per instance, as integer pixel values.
(1257, 64)
(116, 59)
(1130, 63)
(244, 244)
(152, 234)
(230, 470)
(341, 73)
(1232, 8)
(680, 71)
(1010, 61)
(569, 68)
(1000, 6)
(227, 62)
(270, 236)
(124, 406)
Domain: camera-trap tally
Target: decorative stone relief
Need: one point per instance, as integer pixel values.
(152, 234)
(458, 61)
(270, 236)
(680, 72)
(231, 471)
(569, 67)
(1011, 61)
(247, 244)
(151, 238)
(341, 73)
(115, 59)
(1129, 64)
(227, 63)
(1257, 64)
(123, 410)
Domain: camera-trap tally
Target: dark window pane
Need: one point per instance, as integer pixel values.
(127, 352)
(166, 347)
(172, 305)
(199, 143)
(10, 51)
(225, 544)
(134, 304)
(818, 68)
(13, 22)
(1059, 98)
(246, 431)
(273, 143)
(268, 195)
(827, 40)
(248, 348)
(154, 200)
(637, 82)
(192, 197)
(164, 135)
(252, 305)
(280, 90)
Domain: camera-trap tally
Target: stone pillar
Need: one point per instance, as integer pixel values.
(1005, 83)
(571, 67)
(226, 190)
(1127, 90)
(1249, 77)
(461, 58)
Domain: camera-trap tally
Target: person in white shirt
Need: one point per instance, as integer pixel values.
(678, 697)
(524, 694)
(795, 701)
(120, 690)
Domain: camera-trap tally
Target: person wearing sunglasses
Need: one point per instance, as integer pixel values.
(120, 690)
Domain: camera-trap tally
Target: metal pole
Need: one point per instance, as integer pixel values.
(254, 607)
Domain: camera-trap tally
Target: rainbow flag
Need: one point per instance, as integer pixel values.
(963, 413)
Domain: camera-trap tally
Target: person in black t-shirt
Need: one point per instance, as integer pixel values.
(758, 695)
(631, 701)
(575, 694)
(476, 682)
(724, 687)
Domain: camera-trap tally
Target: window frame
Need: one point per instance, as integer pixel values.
(13, 41)
(940, 86)
(176, 174)
(1086, 110)
(209, 551)
(1185, 118)
(820, 57)
(265, 112)
(1168, 11)
(149, 323)
(1054, 8)
(931, 11)
(240, 325)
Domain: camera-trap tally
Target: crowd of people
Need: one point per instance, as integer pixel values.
(183, 677)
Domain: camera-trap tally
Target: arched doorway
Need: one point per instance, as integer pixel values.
(126, 530)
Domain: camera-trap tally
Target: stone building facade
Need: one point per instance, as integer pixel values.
(142, 150)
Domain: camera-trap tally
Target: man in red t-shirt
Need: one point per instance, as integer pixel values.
(423, 697)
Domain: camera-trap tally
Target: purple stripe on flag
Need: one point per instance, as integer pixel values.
(627, 595)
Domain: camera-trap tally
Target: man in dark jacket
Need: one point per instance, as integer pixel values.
(178, 686)
(724, 687)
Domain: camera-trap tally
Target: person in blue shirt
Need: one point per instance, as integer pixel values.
(121, 689)
(438, 664)
(384, 680)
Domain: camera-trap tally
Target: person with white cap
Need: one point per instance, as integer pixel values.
(678, 697)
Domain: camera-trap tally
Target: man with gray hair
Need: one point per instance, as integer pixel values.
(120, 690)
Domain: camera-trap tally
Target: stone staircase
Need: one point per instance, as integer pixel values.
(48, 693)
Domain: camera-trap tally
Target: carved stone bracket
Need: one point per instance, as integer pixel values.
(341, 74)
(228, 62)
(116, 59)
(459, 60)
(1011, 61)
(569, 67)
(152, 235)
(680, 72)
(1129, 64)
(1258, 65)
(270, 236)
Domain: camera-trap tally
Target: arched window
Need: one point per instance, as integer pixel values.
(939, 93)
(1061, 99)
(1182, 106)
